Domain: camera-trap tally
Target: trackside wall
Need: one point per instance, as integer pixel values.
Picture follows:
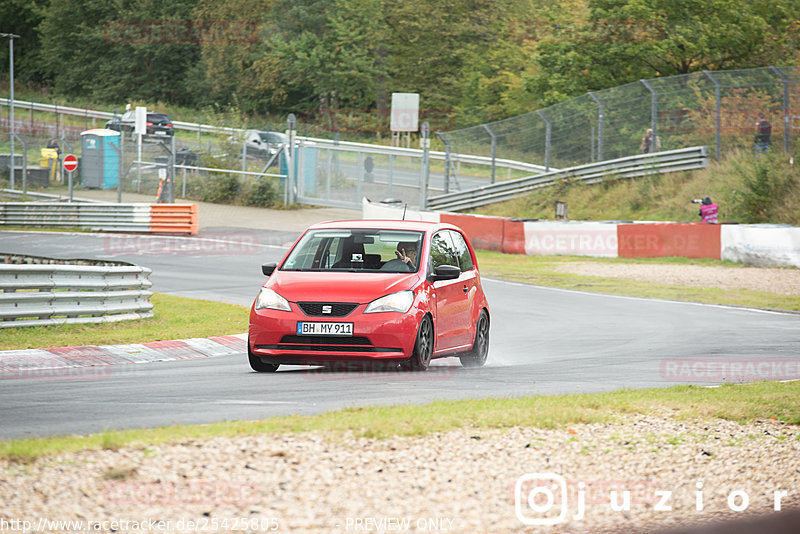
(762, 245)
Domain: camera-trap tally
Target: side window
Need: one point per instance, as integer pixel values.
(462, 251)
(442, 252)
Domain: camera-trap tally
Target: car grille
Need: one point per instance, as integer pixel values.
(327, 344)
(338, 309)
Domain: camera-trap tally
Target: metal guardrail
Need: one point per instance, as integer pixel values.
(629, 167)
(170, 218)
(38, 295)
(310, 141)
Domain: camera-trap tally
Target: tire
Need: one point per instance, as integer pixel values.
(476, 357)
(423, 348)
(259, 365)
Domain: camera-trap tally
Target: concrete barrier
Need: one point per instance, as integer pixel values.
(761, 245)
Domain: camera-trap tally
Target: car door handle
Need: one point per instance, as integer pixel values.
(465, 289)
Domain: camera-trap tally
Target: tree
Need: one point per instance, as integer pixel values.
(626, 40)
(321, 53)
(119, 52)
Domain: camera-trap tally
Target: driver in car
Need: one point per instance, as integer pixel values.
(407, 253)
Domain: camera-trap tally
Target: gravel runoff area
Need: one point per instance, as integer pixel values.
(468, 480)
(784, 281)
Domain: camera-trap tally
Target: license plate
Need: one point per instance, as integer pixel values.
(305, 328)
(161, 132)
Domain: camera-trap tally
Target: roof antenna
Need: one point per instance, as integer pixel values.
(404, 211)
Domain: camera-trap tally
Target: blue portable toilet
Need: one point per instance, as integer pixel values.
(99, 160)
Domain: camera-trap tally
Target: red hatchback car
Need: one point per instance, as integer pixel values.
(391, 292)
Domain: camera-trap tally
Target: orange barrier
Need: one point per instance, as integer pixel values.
(490, 233)
(174, 218)
(483, 232)
(513, 237)
(689, 240)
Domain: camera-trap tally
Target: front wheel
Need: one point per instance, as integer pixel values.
(423, 348)
(257, 364)
(480, 348)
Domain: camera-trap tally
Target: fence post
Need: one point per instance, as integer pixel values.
(11, 106)
(785, 81)
(547, 134)
(494, 147)
(600, 113)
(426, 165)
(446, 161)
(291, 125)
(653, 108)
(718, 119)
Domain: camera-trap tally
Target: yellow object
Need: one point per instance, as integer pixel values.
(49, 159)
(47, 155)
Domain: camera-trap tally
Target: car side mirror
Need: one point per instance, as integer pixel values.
(269, 268)
(446, 272)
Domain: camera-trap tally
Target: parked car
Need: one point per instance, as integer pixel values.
(157, 123)
(262, 142)
(386, 292)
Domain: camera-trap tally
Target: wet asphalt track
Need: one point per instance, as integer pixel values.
(542, 341)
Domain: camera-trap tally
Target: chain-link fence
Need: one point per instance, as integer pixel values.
(719, 109)
(212, 163)
(216, 167)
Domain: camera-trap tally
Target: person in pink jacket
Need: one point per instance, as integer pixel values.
(708, 211)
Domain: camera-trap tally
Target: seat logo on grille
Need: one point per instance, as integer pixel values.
(327, 309)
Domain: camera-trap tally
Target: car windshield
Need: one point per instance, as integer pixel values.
(356, 250)
(270, 137)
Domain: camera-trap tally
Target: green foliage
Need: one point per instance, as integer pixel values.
(747, 190)
(219, 188)
(473, 60)
(622, 41)
(261, 194)
(765, 182)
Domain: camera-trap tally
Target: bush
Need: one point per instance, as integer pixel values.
(764, 183)
(261, 194)
(220, 188)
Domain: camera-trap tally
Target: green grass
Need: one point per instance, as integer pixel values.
(748, 190)
(739, 403)
(541, 270)
(174, 318)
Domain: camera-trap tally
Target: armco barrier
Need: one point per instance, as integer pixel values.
(152, 218)
(46, 294)
(629, 167)
(659, 240)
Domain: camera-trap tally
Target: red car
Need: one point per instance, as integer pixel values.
(389, 292)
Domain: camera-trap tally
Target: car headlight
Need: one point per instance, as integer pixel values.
(267, 298)
(396, 302)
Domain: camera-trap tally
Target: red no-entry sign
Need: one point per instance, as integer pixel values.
(70, 162)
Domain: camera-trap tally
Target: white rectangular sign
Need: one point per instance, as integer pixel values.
(141, 120)
(405, 112)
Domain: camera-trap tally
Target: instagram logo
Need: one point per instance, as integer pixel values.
(536, 494)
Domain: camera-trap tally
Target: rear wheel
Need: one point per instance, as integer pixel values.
(259, 365)
(480, 348)
(423, 348)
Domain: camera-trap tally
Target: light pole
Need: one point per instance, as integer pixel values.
(11, 37)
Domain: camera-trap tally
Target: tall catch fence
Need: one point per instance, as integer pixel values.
(209, 162)
(714, 108)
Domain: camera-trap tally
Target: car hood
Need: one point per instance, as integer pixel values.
(339, 287)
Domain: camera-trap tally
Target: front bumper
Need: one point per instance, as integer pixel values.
(388, 336)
